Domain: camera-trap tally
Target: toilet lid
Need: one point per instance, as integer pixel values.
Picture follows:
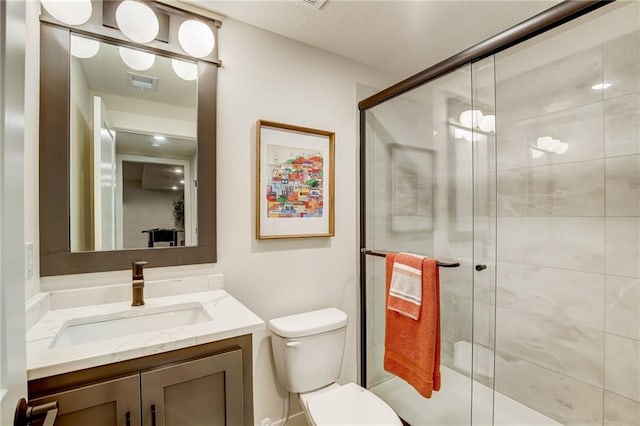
(350, 405)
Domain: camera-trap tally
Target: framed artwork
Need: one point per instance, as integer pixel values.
(294, 181)
(412, 172)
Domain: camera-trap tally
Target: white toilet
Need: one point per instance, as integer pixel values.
(307, 349)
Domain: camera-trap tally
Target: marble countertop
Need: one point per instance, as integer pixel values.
(229, 318)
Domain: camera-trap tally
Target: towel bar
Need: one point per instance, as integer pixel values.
(380, 254)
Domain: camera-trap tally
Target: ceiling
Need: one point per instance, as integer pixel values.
(141, 144)
(107, 73)
(399, 37)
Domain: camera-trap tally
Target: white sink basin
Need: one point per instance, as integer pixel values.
(92, 329)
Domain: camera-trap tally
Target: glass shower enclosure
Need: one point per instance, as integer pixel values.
(520, 160)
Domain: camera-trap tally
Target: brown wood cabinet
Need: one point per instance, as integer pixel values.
(169, 389)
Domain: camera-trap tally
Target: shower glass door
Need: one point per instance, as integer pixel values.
(429, 156)
(568, 205)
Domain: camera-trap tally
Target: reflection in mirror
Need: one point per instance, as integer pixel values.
(133, 148)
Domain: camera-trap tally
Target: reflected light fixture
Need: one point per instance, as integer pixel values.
(155, 144)
(70, 12)
(471, 118)
(488, 123)
(84, 48)
(536, 153)
(159, 137)
(175, 188)
(137, 59)
(196, 38)
(601, 86)
(177, 171)
(185, 70)
(182, 181)
(137, 21)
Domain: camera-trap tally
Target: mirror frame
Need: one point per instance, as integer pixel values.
(55, 255)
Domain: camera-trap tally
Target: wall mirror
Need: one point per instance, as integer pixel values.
(133, 148)
(127, 146)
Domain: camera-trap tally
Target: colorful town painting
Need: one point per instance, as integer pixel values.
(294, 182)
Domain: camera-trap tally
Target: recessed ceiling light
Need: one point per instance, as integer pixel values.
(177, 171)
(159, 137)
(175, 188)
(182, 181)
(601, 86)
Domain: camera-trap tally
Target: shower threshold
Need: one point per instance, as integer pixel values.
(445, 408)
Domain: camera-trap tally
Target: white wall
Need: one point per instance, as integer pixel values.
(266, 76)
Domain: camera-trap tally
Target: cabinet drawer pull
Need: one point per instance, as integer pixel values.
(153, 414)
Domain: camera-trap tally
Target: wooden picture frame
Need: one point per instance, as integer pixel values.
(295, 171)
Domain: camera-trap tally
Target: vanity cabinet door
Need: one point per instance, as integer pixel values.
(206, 391)
(112, 403)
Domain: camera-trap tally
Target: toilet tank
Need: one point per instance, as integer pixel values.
(308, 348)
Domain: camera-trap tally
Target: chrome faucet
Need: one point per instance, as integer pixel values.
(137, 282)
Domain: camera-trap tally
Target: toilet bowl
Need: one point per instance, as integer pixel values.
(349, 404)
(307, 351)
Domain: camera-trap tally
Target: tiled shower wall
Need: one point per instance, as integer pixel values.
(568, 233)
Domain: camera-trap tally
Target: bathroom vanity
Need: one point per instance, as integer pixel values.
(179, 359)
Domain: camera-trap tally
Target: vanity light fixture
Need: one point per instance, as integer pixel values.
(70, 12)
(471, 118)
(185, 70)
(136, 59)
(84, 48)
(547, 144)
(196, 38)
(536, 153)
(601, 86)
(137, 21)
(488, 123)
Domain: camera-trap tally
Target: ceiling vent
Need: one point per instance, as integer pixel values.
(315, 3)
(142, 82)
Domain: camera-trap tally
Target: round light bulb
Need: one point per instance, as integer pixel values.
(196, 38)
(84, 48)
(470, 117)
(185, 70)
(536, 153)
(488, 123)
(136, 59)
(555, 143)
(562, 148)
(544, 143)
(137, 21)
(71, 12)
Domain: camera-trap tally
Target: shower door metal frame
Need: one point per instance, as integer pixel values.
(536, 25)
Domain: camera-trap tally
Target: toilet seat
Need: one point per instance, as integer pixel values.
(348, 405)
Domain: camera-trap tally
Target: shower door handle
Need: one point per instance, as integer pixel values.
(481, 267)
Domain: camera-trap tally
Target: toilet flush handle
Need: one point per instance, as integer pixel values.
(293, 344)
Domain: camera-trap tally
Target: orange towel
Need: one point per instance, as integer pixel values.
(412, 347)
